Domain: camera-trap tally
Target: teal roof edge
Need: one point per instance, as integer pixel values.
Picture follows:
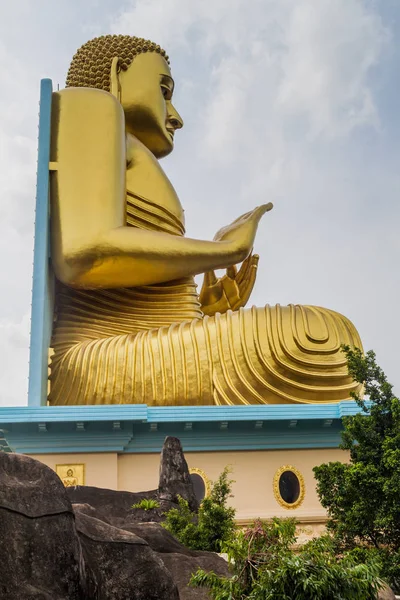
(176, 414)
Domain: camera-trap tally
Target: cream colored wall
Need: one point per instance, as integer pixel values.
(138, 472)
(253, 473)
(101, 469)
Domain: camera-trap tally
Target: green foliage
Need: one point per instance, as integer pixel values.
(265, 567)
(214, 522)
(146, 504)
(362, 497)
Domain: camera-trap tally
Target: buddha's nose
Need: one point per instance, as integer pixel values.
(176, 124)
(174, 119)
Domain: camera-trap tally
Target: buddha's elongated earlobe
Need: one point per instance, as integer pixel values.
(115, 88)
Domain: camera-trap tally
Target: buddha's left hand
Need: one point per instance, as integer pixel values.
(232, 291)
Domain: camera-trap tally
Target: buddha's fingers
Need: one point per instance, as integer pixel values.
(243, 217)
(266, 207)
(247, 285)
(211, 291)
(231, 272)
(257, 212)
(225, 230)
(231, 292)
(210, 279)
(245, 268)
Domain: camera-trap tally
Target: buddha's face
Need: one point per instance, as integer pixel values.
(146, 89)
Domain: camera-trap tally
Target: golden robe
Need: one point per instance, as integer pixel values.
(153, 345)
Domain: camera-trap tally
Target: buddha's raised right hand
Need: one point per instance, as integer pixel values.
(231, 291)
(242, 231)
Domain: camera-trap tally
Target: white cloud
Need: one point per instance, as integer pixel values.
(330, 49)
(301, 57)
(14, 352)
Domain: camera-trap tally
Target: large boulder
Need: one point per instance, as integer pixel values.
(174, 475)
(40, 553)
(181, 562)
(116, 507)
(182, 568)
(98, 547)
(109, 505)
(123, 565)
(48, 552)
(158, 538)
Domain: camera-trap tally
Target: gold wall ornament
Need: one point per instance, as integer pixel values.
(130, 326)
(297, 501)
(206, 481)
(71, 474)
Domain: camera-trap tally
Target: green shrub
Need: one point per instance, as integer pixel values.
(265, 567)
(362, 497)
(214, 522)
(387, 558)
(146, 504)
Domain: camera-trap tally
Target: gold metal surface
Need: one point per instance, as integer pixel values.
(277, 493)
(201, 473)
(129, 325)
(71, 475)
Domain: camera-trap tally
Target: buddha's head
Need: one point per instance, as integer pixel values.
(137, 72)
(70, 473)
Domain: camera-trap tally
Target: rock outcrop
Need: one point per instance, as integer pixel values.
(123, 565)
(174, 475)
(87, 543)
(40, 553)
(181, 562)
(116, 507)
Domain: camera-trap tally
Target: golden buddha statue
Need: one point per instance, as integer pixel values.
(129, 326)
(70, 480)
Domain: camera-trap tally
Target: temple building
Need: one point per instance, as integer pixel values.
(271, 449)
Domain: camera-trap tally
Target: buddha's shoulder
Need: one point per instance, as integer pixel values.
(89, 104)
(86, 122)
(86, 94)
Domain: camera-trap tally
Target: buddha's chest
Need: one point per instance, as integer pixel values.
(146, 178)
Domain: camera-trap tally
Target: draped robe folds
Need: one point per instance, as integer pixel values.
(153, 345)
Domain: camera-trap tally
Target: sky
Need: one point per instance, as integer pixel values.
(289, 101)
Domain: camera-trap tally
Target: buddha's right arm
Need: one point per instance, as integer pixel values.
(130, 257)
(91, 246)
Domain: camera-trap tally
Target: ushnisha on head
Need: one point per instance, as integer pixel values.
(137, 72)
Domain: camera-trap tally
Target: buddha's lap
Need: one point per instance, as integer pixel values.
(258, 355)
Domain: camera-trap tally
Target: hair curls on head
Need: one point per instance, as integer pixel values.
(91, 65)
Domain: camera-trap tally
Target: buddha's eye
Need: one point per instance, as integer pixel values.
(166, 92)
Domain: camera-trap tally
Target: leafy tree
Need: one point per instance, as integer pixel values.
(363, 497)
(265, 567)
(214, 522)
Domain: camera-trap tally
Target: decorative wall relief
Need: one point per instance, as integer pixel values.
(71, 475)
